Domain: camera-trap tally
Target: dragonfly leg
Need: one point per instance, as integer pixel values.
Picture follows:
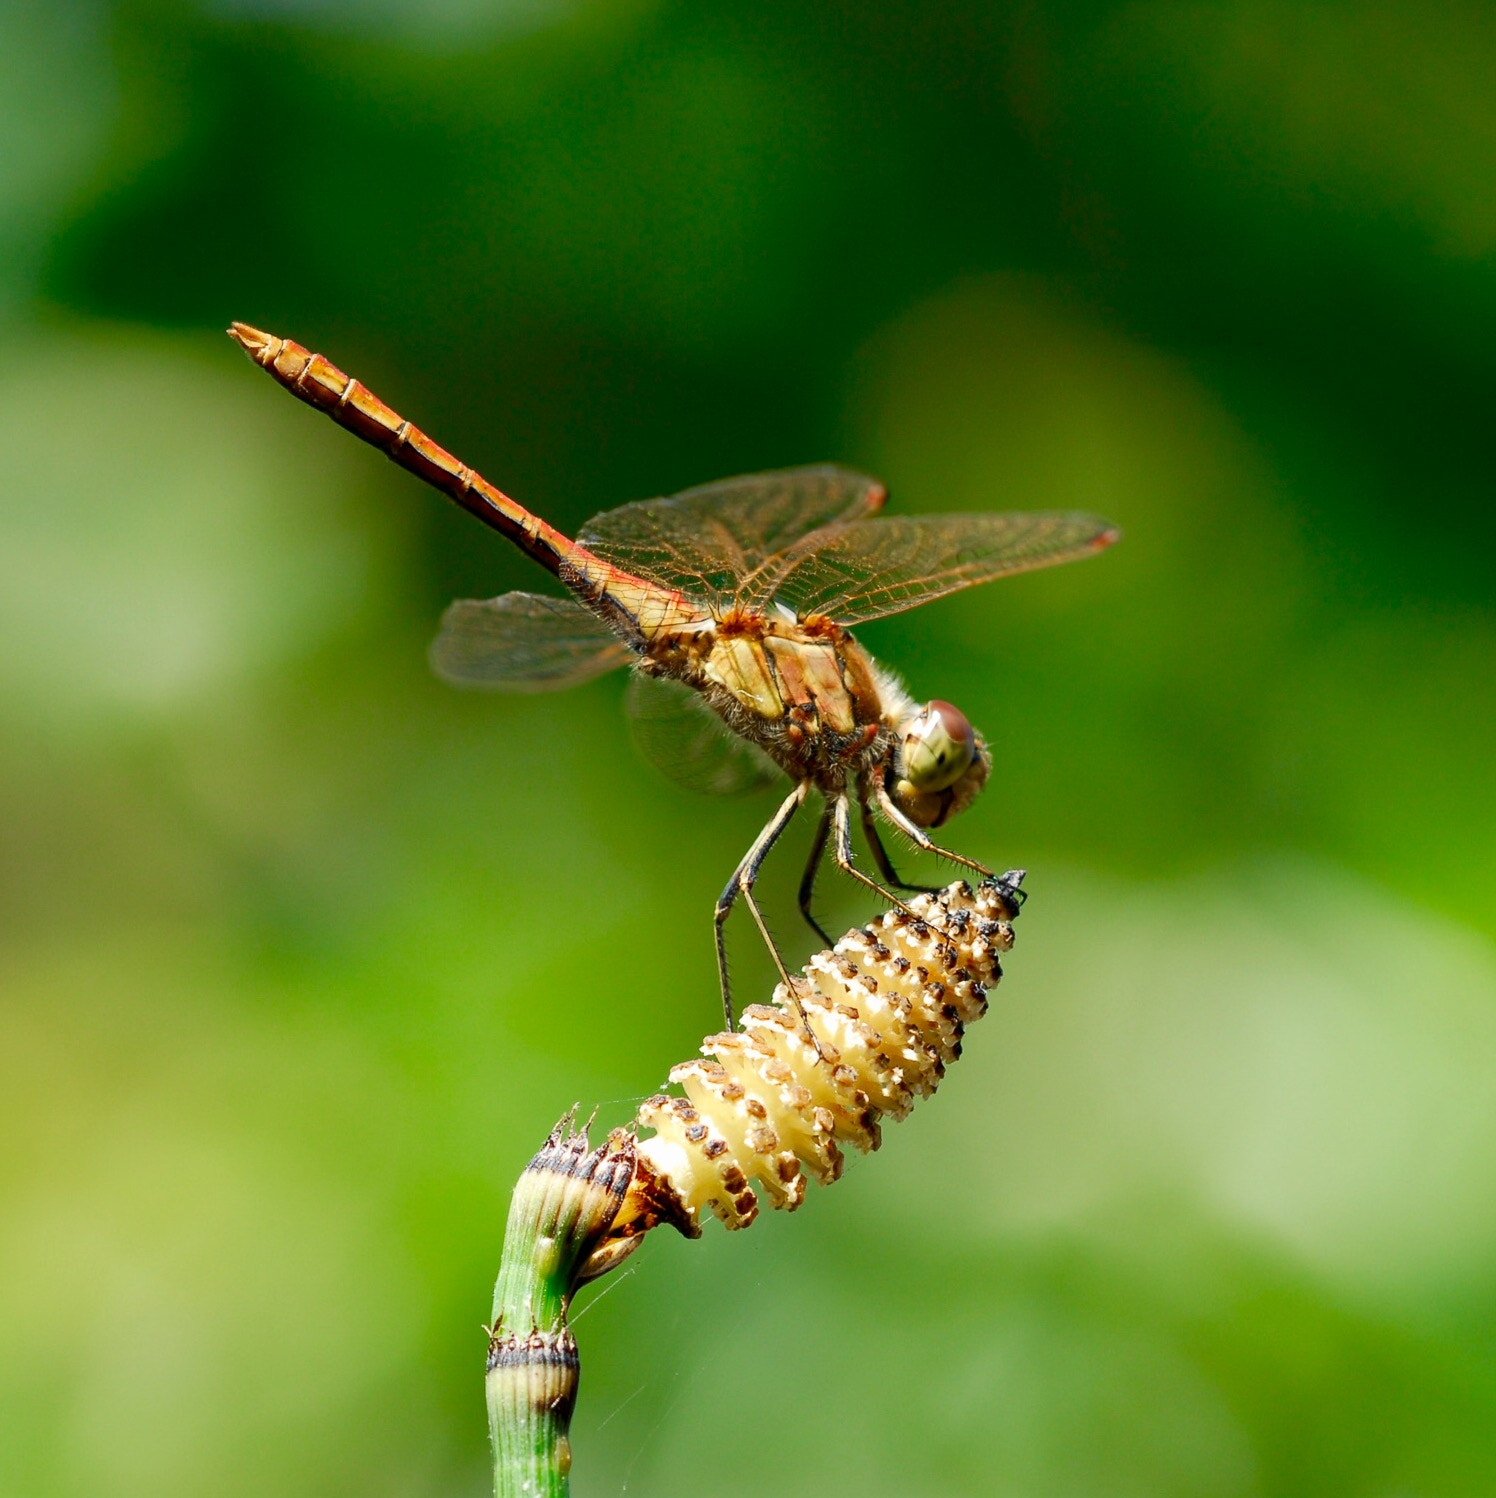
(842, 821)
(744, 877)
(812, 868)
(922, 839)
(880, 854)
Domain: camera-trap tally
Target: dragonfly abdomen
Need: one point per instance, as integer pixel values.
(351, 404)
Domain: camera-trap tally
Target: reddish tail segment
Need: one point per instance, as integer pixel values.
(313, 379)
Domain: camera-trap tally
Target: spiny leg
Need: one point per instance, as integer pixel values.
(880, 853)
(842, 822)
(812, 868)
(920, 838)
(743, 879)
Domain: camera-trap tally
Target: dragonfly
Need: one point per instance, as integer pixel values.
(733, 603)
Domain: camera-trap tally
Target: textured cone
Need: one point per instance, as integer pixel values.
(887, 1008)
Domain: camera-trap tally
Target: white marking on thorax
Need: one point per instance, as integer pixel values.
(893, 696)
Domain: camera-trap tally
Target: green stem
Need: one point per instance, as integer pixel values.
(563, 1207)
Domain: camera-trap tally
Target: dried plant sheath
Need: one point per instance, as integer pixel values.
(886, 1009)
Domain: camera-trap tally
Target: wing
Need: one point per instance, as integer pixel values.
(870, 568)
(523, 642)
(715, 543)
(684, 739)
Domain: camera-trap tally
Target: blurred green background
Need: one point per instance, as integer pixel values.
(303, 952)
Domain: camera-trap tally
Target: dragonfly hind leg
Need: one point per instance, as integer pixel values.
(744, 877)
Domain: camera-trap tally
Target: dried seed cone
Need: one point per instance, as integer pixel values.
(767, 1105)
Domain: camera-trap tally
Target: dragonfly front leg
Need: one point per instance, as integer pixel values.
(922, 839)
(744, 877)
(880, 853)
(812, 868)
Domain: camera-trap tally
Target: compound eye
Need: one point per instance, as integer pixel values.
(938, 747)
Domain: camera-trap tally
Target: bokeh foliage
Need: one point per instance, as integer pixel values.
(302, 953)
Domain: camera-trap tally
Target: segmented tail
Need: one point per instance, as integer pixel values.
(353, 405)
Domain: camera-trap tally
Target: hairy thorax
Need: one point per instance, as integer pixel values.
(803, 690)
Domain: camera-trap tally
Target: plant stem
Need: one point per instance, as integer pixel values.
(817, 1069)
(563, 1206)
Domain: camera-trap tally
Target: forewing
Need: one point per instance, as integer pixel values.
(684, 739)
(523, 642)
(718, 542)
(871, 568)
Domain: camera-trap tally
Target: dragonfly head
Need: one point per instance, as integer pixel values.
(940, 765)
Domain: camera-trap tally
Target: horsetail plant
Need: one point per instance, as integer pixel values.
(868, 1027)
